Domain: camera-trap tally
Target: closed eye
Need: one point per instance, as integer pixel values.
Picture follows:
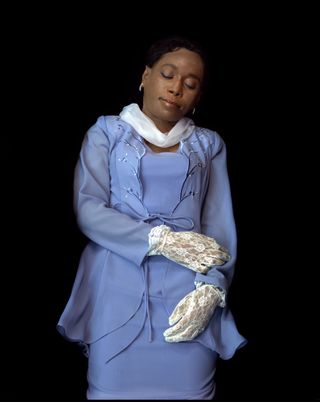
(168, 77)
(190, 86)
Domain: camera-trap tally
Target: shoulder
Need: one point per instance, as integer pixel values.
(106, 129)
(105, 124)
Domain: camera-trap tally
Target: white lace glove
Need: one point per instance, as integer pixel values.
(192, 250)
(193, 313)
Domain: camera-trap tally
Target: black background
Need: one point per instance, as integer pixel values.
(64, 69)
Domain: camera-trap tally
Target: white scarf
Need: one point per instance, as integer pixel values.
(148, 130)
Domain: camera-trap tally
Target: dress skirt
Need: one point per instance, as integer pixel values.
(151, 368)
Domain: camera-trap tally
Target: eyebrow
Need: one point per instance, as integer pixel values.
(175, 67)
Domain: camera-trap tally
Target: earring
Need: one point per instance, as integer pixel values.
(140, 87)
(193, 110)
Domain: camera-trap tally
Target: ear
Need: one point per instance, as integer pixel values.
(146, 74)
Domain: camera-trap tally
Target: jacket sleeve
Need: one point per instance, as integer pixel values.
(96, 219)
(217, 219)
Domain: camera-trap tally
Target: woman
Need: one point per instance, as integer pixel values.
(152, 195)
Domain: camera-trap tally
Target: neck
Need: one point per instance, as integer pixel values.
(155, 148)
(163, 126)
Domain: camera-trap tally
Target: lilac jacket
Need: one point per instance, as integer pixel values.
(111, 286)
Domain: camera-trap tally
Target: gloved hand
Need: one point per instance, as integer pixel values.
(192, 250)
(192, 314)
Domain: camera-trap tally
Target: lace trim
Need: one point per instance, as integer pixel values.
(157, 239)
(219, 291)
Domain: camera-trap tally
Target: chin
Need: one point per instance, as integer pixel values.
(172, 115)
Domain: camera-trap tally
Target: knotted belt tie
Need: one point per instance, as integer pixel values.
(178, 221)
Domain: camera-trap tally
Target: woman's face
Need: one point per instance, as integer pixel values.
(172, 87)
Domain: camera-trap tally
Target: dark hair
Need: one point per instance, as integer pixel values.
(170, 44)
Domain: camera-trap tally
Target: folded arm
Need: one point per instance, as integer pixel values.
(102, 224)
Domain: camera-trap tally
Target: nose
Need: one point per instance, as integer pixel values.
(176, 88)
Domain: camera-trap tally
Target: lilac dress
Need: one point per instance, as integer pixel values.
(121, 298)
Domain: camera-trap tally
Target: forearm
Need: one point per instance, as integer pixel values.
(217, 219)
(114, 230)
(96, 217)
(218, 276)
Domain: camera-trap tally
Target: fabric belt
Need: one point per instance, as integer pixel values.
(178, 221)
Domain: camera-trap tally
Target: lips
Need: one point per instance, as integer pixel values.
(171, 102)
